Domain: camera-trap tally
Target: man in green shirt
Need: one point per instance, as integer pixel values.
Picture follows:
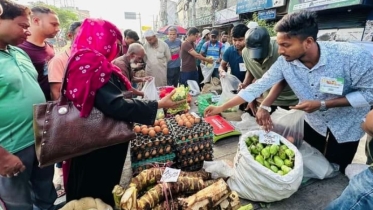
(23, 185)
(258, 62)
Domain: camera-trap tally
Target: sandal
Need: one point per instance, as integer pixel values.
(60, 191)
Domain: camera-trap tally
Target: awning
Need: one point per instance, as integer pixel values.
(234, 23)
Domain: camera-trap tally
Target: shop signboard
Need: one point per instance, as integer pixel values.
(226, 15)
(315, 5)
(267, 14)
(244, 6)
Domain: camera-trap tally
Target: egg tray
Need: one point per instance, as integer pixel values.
(193, 147)
(195, 167)
(198, 132)
(138, 166)
(191, 159)
(151, 152)
(142, 142)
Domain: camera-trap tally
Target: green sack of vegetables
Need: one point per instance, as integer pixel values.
(205, 100)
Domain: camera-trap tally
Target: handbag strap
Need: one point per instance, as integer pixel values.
(63, 99)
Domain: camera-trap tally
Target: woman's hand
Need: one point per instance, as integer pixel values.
(213, 110)
(167, 102)
(10, 165)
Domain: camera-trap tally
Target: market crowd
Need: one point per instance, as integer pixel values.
(330, 81)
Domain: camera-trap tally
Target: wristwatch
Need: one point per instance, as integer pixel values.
(268, 108)
(323, 107)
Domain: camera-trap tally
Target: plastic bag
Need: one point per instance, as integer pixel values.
(203, 101)
(207, 72)
(248, 123)
(194, 89)
(355, 169)
(255, 182)
(228, 83)
(219, 168)
(315, 165)
(151, 93)
(289, 123)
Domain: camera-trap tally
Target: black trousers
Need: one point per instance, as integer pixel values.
(95, 174)
(339, 153)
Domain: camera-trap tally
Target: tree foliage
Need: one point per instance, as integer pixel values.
(65, 15)
(268, 25)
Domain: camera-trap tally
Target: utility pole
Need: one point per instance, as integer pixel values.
(194, 13)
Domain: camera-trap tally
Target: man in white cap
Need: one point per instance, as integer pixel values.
(156, 58)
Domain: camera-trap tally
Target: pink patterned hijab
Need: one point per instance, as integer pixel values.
(89, 67)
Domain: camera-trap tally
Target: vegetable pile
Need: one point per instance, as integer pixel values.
(193, 190)
(181, 94)
(277, 158)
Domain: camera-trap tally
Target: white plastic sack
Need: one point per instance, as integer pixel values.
(289, 123)
(255, 182)
(151, 93)
(228, 83)
(193, 88)
(207, 72)
(315, 165)
(219, 168)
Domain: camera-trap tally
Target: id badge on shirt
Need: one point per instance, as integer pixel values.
(331, 85)
(242, 67)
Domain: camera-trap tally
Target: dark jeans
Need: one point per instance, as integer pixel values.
(189, 75)
(339, 153)
(173, 75)
(31, 189)
(95, 174)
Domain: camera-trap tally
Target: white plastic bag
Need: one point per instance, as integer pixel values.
(289, 123)
(228, 83)
(315, 165)
(248, 123)
(207, 72)
(151, 93)
(255, 182)
(150, 90)
(193, 88)
(219, 168)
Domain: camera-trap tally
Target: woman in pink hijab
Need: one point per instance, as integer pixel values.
(92, 81)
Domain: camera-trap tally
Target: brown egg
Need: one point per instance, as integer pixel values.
(177, 115)
(151, 133)
(188, 114)
(137, 129)
(197, 120)
(151, 128)
(165, 131)
(144, 126)
(191, 121)
(188, 124)
(183, 115)
(163, 126)
(157, 129)
(145, 131)
(180, 122)
(162, 123)
(156, 122)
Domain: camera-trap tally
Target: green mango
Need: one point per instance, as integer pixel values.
(289, 153)
(278, 161)
(266, 164)
(280, 172)
(274, 149)
(284, 147)
(260, 159)
(288, 163)
(253, 150)
(285, 169)
(248, 142)
(282, 154)
(255, 139)
(259, 147)
(265, 152)
(274, 168)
